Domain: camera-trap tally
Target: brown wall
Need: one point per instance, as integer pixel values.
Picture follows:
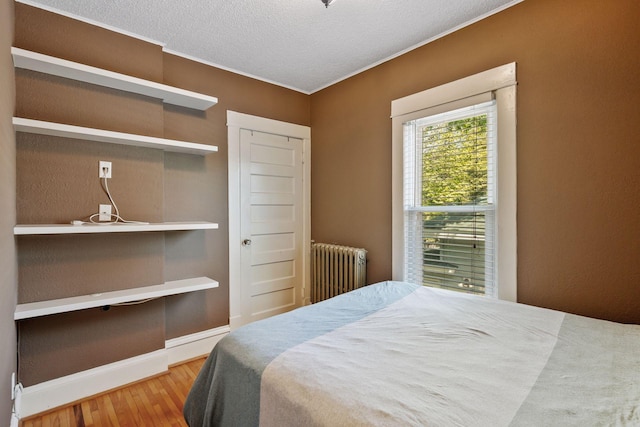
(57, 182)
(578, 148)
(578, 179)
(8, 270)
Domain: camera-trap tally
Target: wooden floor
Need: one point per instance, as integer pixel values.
(154, 402)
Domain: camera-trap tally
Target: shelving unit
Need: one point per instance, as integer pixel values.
(98, 135)
(72, 70)
(35, 229)
(171, 95)
(64, 305)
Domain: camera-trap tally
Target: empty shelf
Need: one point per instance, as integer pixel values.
(72, 70)
(90, 134)
(64, 305)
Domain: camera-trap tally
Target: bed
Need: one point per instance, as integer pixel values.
(398, 354)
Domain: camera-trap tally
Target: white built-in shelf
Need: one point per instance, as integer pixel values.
(30, 229)
(64, 305)
(89, 134)
(72, 70)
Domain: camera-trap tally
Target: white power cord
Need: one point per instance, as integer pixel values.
(118, 219)
(105, 187)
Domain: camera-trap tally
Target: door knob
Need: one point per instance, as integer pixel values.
(246, 242)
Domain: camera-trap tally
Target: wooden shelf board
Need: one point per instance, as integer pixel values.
(64, 305)
(31, 229)
(90, 134)
(72, 70)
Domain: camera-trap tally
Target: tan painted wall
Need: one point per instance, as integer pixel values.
(578, 232)
(578, 148)
(57, 182)
(8, 268)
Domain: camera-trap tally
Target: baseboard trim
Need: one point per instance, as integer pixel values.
(235, 322)
(62, 391)
(191, 346)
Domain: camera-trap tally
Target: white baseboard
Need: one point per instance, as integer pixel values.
(194, 345)
(61, 391)
(235, 322)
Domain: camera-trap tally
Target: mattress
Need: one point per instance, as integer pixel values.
(398, 354)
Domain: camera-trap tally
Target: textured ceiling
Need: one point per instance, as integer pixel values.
(298, 44)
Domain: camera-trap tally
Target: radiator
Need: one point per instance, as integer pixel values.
(336, 269)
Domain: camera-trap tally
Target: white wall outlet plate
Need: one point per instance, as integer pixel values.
(13, 386)
(105, 169)
(17, 405)
(104, 213)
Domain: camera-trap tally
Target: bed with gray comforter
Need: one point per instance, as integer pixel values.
(398, 354)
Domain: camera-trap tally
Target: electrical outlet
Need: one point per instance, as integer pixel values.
(16, 398)
(105, 169)
(104, 213)
(17, 403)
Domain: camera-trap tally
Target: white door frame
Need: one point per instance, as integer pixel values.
(235, 122)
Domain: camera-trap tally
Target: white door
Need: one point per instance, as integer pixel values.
(268, 266)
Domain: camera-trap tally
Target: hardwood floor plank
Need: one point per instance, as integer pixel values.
(182, 378)
(157, 401)
(96, 412)
(111, 412)
(142, 402)
(151, 402)
(78, 416)
(134, 412)
(176, 393)
(166, 398)
(86, 414)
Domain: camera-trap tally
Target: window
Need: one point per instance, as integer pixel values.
(449, 199)
(454, 185)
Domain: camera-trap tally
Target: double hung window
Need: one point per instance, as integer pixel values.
(454, 186)
(449, 199)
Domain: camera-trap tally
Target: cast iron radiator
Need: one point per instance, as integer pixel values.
(336, 269)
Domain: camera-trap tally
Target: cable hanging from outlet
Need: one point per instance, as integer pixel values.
(114, 218)
(124, 304)
(105, 187)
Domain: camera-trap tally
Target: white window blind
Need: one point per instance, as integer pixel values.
(450, 199)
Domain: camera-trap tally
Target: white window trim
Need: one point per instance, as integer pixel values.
(502, 82)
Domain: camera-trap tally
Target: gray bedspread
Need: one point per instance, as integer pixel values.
(396, 354)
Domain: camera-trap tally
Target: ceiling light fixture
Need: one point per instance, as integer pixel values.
(327, 2)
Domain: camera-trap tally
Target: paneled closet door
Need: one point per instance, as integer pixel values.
(271, 224)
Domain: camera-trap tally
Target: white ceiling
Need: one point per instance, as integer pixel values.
(298, 44)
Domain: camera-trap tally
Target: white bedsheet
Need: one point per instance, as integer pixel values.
(434, 358)
(397, 354)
